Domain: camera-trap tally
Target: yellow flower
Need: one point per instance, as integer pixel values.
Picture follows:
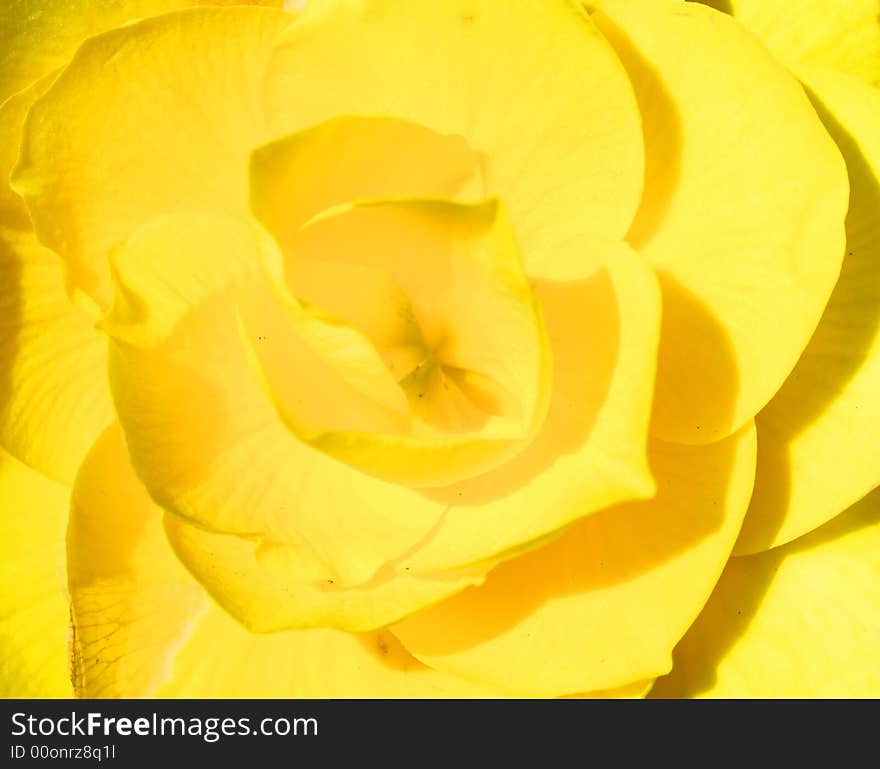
(403, 348)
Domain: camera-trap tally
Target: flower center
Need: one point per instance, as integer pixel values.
(410, 344)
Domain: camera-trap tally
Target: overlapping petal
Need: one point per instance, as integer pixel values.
(831, 33)
(204, 437)
(54, 399)
(173, 143)
(590, 452)
(802, 620)
(818, 437)
(604, 604)
(745, 197)
(476, 388)
(41, 35)
(477, 90)
(33, 605)
(144, 627)
(53, 392)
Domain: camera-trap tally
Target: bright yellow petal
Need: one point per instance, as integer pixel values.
(545, 121)
(634, 691)
(743, 212)
(603, 605)
(13, 212)
(54, 398)
(802, 620)
(204, 437)
(591, 449)
(41, 35)
(222, 659)
(818, 437)
(53, 393)
(33, 607)
(267, 595)
(144, 626)
(129, 614)
(843, 34)
(179, 138)
(354, 158)
(476, 319)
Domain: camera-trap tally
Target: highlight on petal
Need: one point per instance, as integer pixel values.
(90, 182)
(802, 620)
(544, 122)
(818, 438)
(33, 607)
(742, 216)
(474, 386)
(831, 33)
(590, 452)
(206, 440)
(603, 605)
(144, 627)
(54, 399)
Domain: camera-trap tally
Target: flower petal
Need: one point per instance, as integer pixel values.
(472, 307)
(41, 35)
(222, 659)
(54, 399)
(274, 594)
(53, 392)
(129, 614)
(354, 158)
(545, 121)
(204, 437)
(818, 437)
(743, 212)
(841, 35)
(802, 620)
(604, 604)
(33, 607)
(179, 138)
(13, 212)
(144, 627)
(591, 449)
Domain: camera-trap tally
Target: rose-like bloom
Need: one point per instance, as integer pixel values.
(416, 348)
